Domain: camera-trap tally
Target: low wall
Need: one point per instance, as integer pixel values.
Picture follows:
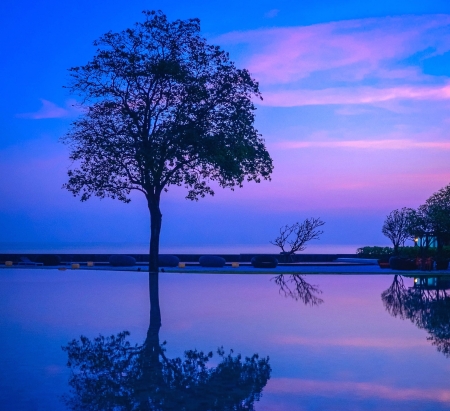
(142, 258)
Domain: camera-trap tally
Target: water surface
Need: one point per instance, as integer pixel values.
(372, 343)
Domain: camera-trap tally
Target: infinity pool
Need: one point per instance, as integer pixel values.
(333, 342)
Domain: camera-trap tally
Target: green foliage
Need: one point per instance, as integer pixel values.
(408, 252)
(374, 252)
(163, 107)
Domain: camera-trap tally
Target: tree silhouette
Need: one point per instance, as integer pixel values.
(108, 373)
(162, 108)
(428, 307)
(438, 209)
(297, 235)
(296, 287)
(394, 297)
(395, 227)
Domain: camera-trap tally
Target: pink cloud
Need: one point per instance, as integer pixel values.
(354, 95)
(51, 110)
(326, 63)
(360, 389)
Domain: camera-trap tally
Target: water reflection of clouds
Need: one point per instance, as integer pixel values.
(355, 389)
(358, 342)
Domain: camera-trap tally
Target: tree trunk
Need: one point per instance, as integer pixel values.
(155, 230)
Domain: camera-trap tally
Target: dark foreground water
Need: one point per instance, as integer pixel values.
(374, 343)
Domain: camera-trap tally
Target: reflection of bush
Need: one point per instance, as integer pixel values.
(108, 373)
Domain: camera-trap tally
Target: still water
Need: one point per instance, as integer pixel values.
(323, 342)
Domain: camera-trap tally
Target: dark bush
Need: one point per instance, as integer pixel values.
(211, 261)
(441, 264)
(165, 260)
(399, 263)
(48, 259)
(264, 261)
(118, 260)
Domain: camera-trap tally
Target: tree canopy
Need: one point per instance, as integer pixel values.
(294, 237)
(438, 212)
(162, 108)
(395, 227)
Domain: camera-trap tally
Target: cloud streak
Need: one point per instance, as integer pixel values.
(51, 110)
(353, 95)
(346, 62)
(366, 144)
(356, 342)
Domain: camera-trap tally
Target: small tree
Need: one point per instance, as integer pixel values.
(294, 237)
(395, 227)
(162, 108)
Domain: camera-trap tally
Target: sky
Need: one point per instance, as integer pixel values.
(356, 116)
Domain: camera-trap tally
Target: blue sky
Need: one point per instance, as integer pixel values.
(355, 115)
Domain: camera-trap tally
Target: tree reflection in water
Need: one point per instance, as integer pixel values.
(296, 287)
(108, 373)
(426, 304)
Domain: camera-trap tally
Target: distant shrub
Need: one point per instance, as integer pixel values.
(211, 261)
(400, 263)
(118, 260)
(48, 259)
(165, 260)
(264, 261)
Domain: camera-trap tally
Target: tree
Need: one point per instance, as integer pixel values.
(420, 226)
(395, 227)
(438, 211)
(297, 235)
(162, 108)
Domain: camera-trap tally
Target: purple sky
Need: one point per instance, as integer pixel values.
(355, 115)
